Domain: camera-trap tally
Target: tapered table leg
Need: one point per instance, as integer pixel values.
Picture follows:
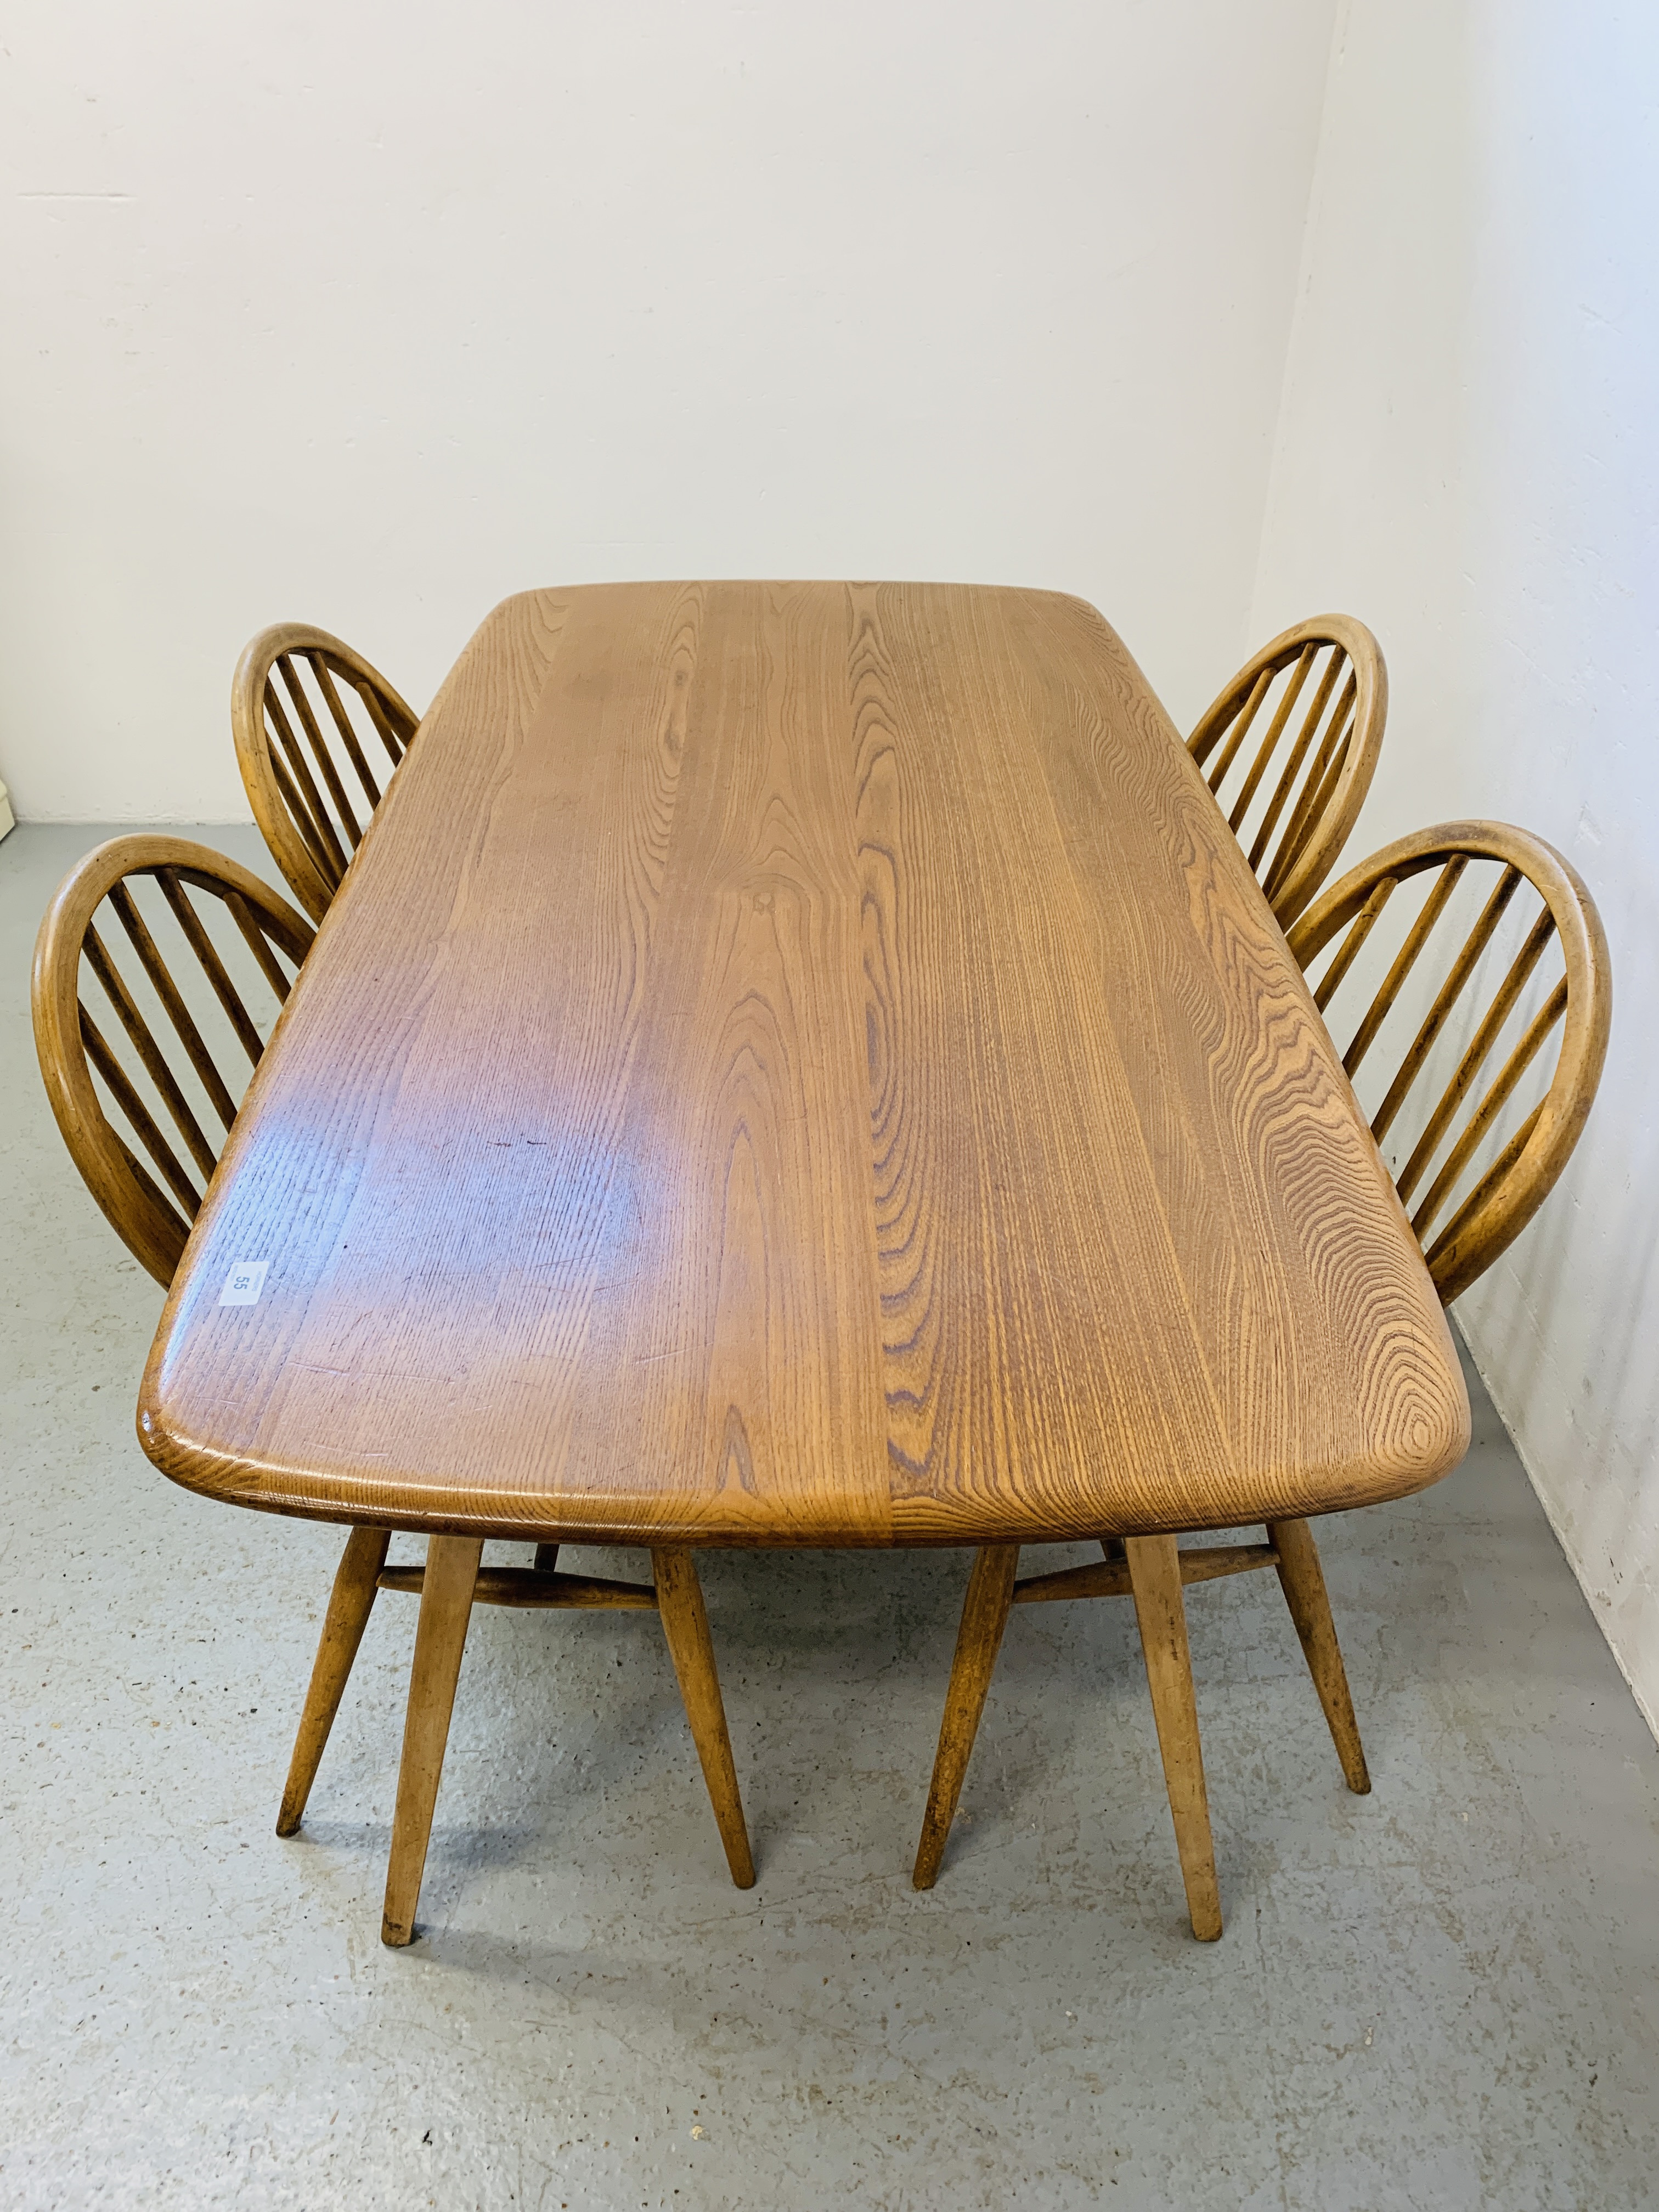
(1155, 1577)
(451, 1568)
(1302, 1581)
(984, 1617)
(350, 1604)
(685, 1625)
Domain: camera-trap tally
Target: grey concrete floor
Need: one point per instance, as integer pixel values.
(1437, 1996)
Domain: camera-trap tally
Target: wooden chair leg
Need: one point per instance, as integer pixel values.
(1302, 1581)
(350, 1604)
(685, 1625)
(984, 1617)
(1155, 1577)
(451, 1568)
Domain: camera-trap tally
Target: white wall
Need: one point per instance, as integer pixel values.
(1468, 455)
(368, 314)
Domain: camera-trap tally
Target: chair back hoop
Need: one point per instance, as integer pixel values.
(68, 1039)
(1525, 1172)
(313, 778)
(1332, 718)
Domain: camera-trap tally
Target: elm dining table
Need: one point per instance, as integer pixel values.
(794, 1065)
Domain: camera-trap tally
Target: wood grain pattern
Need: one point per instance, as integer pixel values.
(160, 1045)
(802, 1064)
(1490, 1215)
(1503, 1200)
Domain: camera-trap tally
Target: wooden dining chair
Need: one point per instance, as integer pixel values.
(314, 770)
(1472, 1189)
(1290, 748)
(140, 1022)
(164, 1046)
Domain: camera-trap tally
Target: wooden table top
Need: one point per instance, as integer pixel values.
(801, 1064)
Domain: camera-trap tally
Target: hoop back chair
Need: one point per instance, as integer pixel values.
(1290, 801)
(1475, 1191)
(1463, 1230)
(101, 1072)
(142, 1055)
(314, 773)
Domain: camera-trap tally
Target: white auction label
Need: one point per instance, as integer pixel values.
(244, 1283)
